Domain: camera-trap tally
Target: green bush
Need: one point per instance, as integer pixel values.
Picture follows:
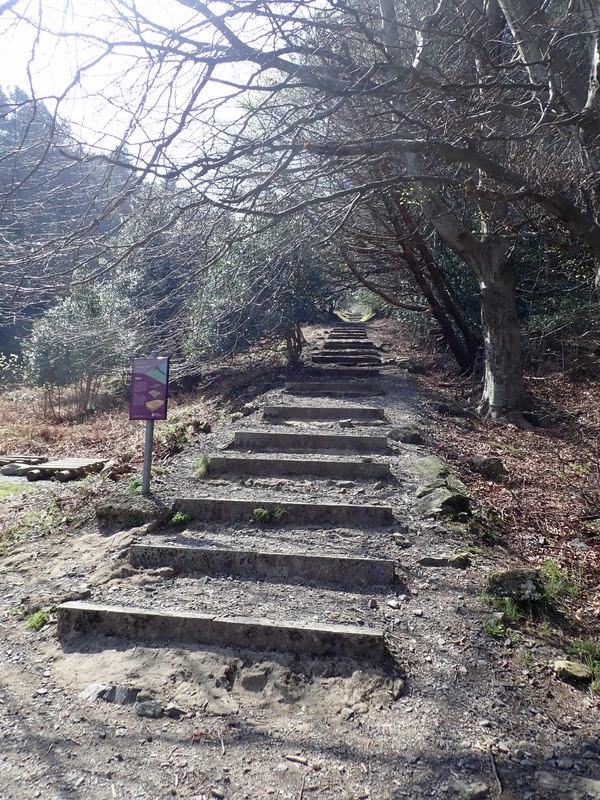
(79, 341)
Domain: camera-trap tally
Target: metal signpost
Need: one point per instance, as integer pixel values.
(149, 385)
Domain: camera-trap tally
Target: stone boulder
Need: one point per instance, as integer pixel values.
(572, 671)
(406, 435)
(443, 494)
(490, 467)
(431, 467)
(444, 501)
(523, 585)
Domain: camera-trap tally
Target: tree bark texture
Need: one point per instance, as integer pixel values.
(504, 393)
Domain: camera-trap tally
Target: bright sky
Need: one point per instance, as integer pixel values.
(71, 37)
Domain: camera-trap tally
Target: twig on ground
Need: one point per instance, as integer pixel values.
(296, 759)
(495, 770)
(301, 795)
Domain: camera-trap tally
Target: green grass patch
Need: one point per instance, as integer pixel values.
(558, 582)
(497, 630)
(132, 521)
(181, 518)
(35, 622)
(10, 489)
(202, 466)
(265, 516)
(134, 485)
(588, 652)
(40, 522)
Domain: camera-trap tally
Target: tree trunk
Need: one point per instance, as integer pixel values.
(293, 341)
(504, 394)
(490, 259)
(472, 342)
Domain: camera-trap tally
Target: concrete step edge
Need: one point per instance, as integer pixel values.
(274, 467)
(329, 412)
(212, 509)
(328, 570)
(80, 618)
(294, 442)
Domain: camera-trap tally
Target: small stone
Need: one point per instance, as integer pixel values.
(565, 763)
(346, 423)
(255, 678)
(458, 560)
(591, 786)
(143, 696)
(417, 369)
(579, 544)
(217, 792)
(400, 540)
(149, 708)
(485, 723)
(346, 713)
(418, 612)
(281, 767)
(173, 711)
(93, 692)
(475, 790)
(373, 603)
(546, 780)
(393, 603)
(398, 688)
(572, 671)
(125, 695)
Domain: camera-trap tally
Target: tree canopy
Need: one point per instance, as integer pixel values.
(422, 134)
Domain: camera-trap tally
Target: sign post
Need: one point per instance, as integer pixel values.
(149, 385)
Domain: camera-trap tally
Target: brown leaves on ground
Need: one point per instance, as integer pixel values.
(548, 506)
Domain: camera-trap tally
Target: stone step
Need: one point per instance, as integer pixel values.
(347, 352)
(278, 467)
(263, 565)
(211, 509)
(299, 442)
(339, 373)
(334, 388)
(348, 344)
(350, 360)
(80, 618)
(344, 334)
(278, 413)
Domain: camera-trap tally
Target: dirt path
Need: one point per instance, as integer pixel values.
(446, 713)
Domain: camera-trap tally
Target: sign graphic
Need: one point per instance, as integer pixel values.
(149, 388)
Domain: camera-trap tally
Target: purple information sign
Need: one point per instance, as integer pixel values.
(149, 388)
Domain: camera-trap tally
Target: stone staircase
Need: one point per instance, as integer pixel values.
(256, 568)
